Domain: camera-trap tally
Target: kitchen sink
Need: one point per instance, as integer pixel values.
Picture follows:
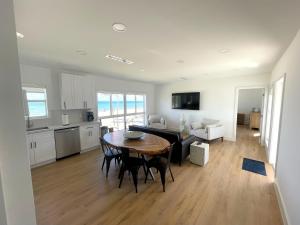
(37, 128)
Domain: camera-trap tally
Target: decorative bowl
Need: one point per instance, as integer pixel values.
(133, 135)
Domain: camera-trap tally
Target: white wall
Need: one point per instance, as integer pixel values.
(50, 77)
(217, 99)
(288, 163)
(248, 99)
(14, 161)
(2, 206)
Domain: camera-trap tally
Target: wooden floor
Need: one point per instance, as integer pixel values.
(75, 191)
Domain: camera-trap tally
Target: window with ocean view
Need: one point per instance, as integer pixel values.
(118, 111)
(35, 102)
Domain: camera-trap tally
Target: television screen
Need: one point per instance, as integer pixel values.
(190, 101)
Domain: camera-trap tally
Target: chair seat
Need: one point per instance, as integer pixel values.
(157, 161)
(112, 153)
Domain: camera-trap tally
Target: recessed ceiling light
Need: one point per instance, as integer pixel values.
(224, 51)
(119, 27)
(81, 52)
(119, 59)
(19, 35)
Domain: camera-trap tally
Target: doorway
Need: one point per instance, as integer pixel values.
(274, 119)
(250, 110)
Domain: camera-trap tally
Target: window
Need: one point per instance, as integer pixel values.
(35, 100)
(135, 109)
(117, 110)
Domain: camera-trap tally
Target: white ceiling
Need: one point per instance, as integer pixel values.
(159, 33)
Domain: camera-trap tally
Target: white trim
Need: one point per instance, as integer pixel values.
(235, 109)
(281, 203)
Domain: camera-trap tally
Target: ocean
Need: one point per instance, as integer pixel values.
(104, 106)
(39, 108)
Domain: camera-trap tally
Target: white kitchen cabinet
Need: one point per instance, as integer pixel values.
(89, 136)
(77, 92)
(67, 91)
(41, 147)
(89, 93)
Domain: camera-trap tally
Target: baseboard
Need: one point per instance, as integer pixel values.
(43, 163)
(89, 149)
(229, 139)
(281, 204)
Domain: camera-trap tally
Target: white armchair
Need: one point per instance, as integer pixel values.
(207, 129)
(156, 121)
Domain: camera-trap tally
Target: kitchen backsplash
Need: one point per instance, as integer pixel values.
(75, 116)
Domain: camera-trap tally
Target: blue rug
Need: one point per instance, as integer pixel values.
(254, 166)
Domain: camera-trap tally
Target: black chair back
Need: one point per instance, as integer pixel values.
(170, 153)
(104, 130)
(105, 146)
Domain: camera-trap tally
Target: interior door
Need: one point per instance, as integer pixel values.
(275, 121)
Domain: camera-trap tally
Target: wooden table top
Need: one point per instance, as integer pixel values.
(148, 145)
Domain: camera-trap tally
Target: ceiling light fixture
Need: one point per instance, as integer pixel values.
(119, 59)
(224, 51)
(119, 27)
(19, 35)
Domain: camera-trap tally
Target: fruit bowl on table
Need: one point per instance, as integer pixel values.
(133, 135)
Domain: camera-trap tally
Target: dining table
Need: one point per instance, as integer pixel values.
(148, 144)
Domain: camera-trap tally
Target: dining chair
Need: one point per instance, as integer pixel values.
(131, 164)
(110, 153)
(162, 164)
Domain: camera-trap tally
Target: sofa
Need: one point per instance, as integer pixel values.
(156, 121)
(207, 129)
(182, 146)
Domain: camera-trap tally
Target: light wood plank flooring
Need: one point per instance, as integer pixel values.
(74, 191)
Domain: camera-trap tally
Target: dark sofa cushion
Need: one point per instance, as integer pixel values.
(181, 148)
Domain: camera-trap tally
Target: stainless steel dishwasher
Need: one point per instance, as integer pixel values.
(67, 142)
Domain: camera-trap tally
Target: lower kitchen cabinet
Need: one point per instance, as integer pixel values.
(89, 136)
(41, 147)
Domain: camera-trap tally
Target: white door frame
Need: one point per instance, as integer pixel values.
(280, 119)
(236, 104)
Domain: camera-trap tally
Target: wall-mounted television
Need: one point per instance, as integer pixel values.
(188, 100)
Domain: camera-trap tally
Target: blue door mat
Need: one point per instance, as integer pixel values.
(254, 166)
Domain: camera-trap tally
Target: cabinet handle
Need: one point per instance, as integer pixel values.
(65, 105)
(34, 144)
(30, 145)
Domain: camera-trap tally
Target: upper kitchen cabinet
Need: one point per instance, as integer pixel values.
(88, 92)
(67, 91)
(77, 92)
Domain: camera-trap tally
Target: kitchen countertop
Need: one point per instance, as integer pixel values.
(59, 127)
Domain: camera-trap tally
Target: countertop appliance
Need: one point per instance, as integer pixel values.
(89, 116)
(67, 142)
(65, 119)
